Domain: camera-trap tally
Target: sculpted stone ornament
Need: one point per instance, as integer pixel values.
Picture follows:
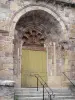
(33, 37)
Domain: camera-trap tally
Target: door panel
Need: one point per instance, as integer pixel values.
(33, 62)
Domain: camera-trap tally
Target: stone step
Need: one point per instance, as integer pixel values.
(40, 90)
(34, 89)
(22, 97)
(46, 95)
(36, 94)
(33, 94)
(32, 98)
(64, 98)
(46, 98)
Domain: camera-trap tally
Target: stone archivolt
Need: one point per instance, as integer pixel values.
(37, 25)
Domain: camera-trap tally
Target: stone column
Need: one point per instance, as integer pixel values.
(54, 58)
(6, 90)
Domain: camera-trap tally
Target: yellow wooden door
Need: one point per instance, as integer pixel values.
(33, 62)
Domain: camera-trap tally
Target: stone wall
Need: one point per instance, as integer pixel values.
(8, 10)
(6, 55)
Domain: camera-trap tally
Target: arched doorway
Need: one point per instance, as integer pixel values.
(39, 21)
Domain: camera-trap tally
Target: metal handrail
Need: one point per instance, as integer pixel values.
(45, 83)
(68, 78)
(37, 76)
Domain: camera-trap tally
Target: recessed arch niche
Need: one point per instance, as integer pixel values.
(38, 21)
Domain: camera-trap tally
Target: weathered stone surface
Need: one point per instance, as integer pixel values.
(67, 1)
(6, 83)
(51, 24)
(6, 90)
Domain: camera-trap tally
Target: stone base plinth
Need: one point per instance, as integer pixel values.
(6, 90)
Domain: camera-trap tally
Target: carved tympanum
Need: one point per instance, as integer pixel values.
(34, 38)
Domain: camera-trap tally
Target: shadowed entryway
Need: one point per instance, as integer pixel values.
(35, 31)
